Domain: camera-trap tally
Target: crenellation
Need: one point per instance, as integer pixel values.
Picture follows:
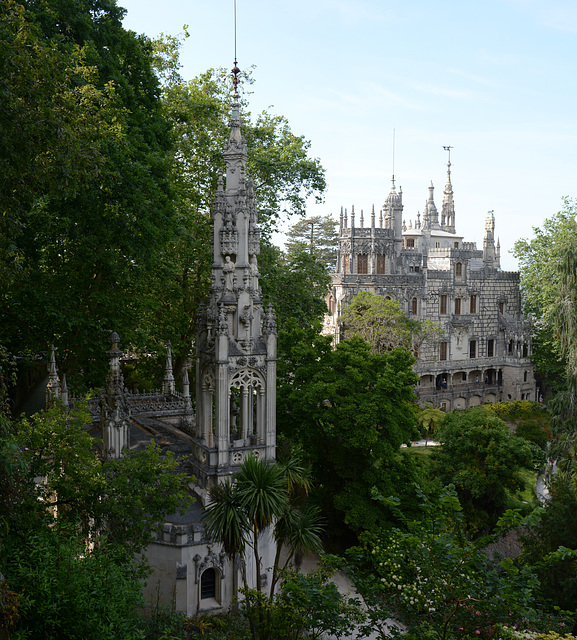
(483, 353)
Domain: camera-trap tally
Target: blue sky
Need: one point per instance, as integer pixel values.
(495, 79)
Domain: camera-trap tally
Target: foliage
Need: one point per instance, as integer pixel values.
(316, 235)
(308, 605)
(541, 262)
(556, 529)
(296, 285)
(384, 326)
(122, 499)
(263, 496)
(348, 410)
(429, 419)
(71, 523)
(67, 592)
(96, 206)
(483, 460)
(438, 584)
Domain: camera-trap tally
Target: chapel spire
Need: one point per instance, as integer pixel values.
(448, 210)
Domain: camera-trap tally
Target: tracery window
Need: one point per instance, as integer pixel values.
(380, 263)
(362, 263)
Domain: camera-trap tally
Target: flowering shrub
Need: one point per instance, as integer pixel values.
(438, 584)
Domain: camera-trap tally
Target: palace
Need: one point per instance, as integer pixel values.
(483, 353)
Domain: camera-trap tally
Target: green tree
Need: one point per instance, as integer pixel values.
(318, 236)
(429, 419)
(71, 523)
(296, 285)
(262, 497)
(384, 326)
(438, 584)
(484, 462)
(556, 529)
(348, 410)
(84, 247)
(541, 262)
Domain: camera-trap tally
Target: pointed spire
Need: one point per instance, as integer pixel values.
(373, 217)
(168, 382)
(448, 209)
(362, 221)
(64, 395)
(53, 386)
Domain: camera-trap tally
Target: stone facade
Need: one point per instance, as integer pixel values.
(483, 353)
(235, 404)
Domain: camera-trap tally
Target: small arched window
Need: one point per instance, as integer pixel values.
(208, 584)
(459, 269)
(414, 306)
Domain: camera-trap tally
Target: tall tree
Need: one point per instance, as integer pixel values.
(384, 326)
(484, 462)
(318, 236)
(84, 253)
(349, 410)
(541, 262)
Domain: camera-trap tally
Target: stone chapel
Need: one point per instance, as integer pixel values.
(483, 353)
(235, 401)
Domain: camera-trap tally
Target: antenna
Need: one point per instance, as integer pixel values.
(448, 149)
(235, 69)
(393, 157)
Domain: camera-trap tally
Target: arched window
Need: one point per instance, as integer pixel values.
(362, 263)
(380, 263)
(208, 584)
(459, 269)
(414, 306)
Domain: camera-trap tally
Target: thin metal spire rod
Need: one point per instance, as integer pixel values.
(393, 156)
(235, 32)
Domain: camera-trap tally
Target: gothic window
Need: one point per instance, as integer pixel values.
(443, 305)
(437, 245)
(525, 376)
(473, 349)
(457, 306)
(473, 304)
(459, 269)
(362, 263)
(501, 307)
(443, 351)
(208, 584)
(410, 243)
(525, 350)
(490, 348)
(414, 306)
(380, 264)
(456, 245)
(510, 347)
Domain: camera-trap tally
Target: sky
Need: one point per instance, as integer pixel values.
(494, 79)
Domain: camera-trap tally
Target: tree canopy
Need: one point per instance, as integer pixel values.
(484, 462)
(349, 410)
(384, 326)
(318, 236)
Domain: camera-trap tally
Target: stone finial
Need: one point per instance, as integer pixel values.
(269, 325)
(373, 217)
(168, 385)
(222, 324)
(362, 219)
(53, 387)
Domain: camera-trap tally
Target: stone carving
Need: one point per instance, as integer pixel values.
(228, 270)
